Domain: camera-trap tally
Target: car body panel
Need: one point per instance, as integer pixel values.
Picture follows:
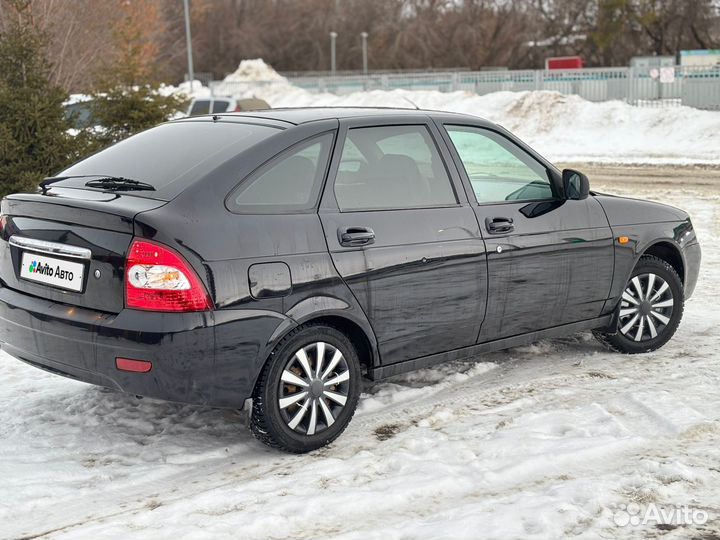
(423, 281)
(101, 224)
(628, 211)
(418, 291)
(465, 353)
(83, 344)
(555, 266)
(647, 224)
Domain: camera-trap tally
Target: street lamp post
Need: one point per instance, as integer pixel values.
(333, 37)
(364, 36)
(188, 39)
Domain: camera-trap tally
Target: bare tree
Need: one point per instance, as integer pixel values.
(293, 35)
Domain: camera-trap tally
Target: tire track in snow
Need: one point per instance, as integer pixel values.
(497, 390)
(360, 431)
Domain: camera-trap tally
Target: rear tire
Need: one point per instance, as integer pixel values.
(649, 311)
(308, 390)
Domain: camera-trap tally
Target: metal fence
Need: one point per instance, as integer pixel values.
(694, 86)
(359, 72)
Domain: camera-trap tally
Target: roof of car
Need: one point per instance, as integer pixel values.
(310, 114)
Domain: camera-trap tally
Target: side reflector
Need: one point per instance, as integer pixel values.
(623, 239)
(135, 366)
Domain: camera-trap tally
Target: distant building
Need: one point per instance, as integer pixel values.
(703, 57)
(564, 62)
(650, 62)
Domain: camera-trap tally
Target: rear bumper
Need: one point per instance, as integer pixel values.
(83, 344)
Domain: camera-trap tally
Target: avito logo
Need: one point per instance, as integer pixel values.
(39, 268)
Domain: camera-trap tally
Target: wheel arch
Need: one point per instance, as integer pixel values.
(345, 319)
(651, 242)
(668, 252)
(365, 349)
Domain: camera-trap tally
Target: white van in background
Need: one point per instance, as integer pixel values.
(223, 104)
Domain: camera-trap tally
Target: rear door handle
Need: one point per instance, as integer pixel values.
(498, 225)
(356, 236)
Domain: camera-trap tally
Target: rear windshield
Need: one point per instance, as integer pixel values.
(169, 157)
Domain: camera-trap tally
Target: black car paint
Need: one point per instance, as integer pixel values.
(432, 287)
(418, 251)
(649, 224)
(561, 247)
(102, 222)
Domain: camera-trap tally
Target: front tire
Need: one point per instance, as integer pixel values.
(308, 390)
(650, 308)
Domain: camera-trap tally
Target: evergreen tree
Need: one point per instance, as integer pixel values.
(127, 99)
(34, 138)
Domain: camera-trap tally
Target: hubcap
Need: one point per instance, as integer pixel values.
(314, 388)
(646, 307)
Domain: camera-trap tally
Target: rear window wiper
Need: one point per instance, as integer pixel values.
(112, 183)
(118, 183)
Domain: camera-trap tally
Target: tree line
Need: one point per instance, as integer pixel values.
(37, 137)
(293, 35)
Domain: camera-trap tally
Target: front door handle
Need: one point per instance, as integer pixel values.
(498, 225)
(356, 236)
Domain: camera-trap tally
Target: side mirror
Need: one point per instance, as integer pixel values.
(575, 184)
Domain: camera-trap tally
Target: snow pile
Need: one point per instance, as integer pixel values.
(191, 89)
(254, 70)
(252, 78)
(245, 81)
(562, 127)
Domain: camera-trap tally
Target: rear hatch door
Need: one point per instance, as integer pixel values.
(69, 245)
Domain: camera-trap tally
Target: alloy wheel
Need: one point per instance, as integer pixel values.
(646, 307)
(314, 387)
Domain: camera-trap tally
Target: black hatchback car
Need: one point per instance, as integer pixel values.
(282, 255)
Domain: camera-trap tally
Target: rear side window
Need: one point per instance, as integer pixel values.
(391, 167)
(220, 106)
(289, 183)
(201, 106)
(171, 156)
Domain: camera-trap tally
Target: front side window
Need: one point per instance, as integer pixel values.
(289, 183)
(499, 170)
(391, 167)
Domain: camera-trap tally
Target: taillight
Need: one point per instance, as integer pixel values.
(159, 279)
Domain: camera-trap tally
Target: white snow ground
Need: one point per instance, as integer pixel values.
(545, 441)
(561, 127)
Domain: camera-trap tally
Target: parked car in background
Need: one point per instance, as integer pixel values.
(280, 255)
(224, 104)
(78, 108)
